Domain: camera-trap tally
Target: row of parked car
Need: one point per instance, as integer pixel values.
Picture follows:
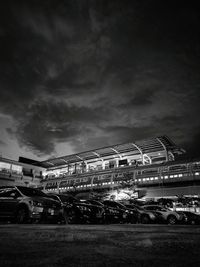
(23, 205)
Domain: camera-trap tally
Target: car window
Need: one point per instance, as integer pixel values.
(69, 199)
(5, 191)
(163, 209)
(156, 208)
(131, 207)
(150, 208)
(31, 192)
(9, 192)
(109, 203)
(94, 202)
(114, 204)
(119, 205)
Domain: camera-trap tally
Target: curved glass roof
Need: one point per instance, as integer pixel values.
(154, 145)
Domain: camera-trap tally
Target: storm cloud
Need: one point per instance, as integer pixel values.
(77, 75)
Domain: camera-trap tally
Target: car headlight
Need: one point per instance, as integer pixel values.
(151, 215)
(36, 203)
(114, 211)
(83, 208)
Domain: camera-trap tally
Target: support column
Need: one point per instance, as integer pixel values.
(103, 165)
(165, 149)
(140, 150)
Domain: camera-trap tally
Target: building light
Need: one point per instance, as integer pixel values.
(166, 176)
(196, 173)
(180, 175)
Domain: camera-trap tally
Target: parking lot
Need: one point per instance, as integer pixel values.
(99, 245)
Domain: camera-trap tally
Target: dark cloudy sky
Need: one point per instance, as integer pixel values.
(81, 74)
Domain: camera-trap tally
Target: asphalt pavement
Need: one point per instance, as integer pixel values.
(99, 245)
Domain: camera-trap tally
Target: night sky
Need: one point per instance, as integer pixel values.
(78, 75)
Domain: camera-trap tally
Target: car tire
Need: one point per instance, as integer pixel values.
(145, 219)
(171, 220)
(22, 215)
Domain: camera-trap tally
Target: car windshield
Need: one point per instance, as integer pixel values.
(133, 206)
(94, 202)
(121, 206)
(114, 204)
(130, 206)
(31, 192)
(66, 198)
(157, 208)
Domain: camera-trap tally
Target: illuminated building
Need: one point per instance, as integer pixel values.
(19, 173)
(153, 166)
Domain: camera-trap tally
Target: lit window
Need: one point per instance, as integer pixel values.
(151, 178)
(166, 176)
(180, 175)
(139, 180)
(156, 178)
(175, 175)
(196, 173)
(171, 176)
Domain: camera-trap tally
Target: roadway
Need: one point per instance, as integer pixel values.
(99, 245)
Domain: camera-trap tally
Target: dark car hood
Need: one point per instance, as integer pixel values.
(46, 201)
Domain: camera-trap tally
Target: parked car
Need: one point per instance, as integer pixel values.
(190, 217)
(143, 216)
(112, 214)
(164, 214)
(76, 211)
(24, 204)
(98, 212)
(117, 213)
